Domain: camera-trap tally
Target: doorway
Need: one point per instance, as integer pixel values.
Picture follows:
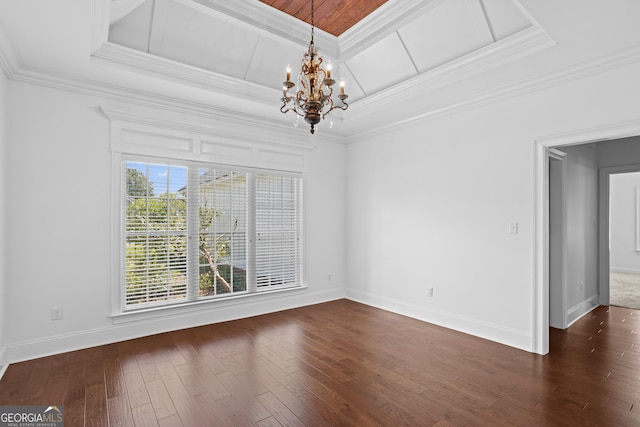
(541, 306)
(624, 240)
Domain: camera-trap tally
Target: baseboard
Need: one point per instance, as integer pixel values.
(511, 337)
(624, 270)
(576, 312)
(27, 350)
(3, 362)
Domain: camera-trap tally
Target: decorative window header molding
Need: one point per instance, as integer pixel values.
(194, 139)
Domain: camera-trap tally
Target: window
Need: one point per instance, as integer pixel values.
(193, 232)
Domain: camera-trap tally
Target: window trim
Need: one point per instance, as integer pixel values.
(119, 312)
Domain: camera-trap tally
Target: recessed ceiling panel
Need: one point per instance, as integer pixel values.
(133, 29)
(382, 65)
(189, 36)
(351, 86)
(269, 63)
(505, 17)
(450, 31)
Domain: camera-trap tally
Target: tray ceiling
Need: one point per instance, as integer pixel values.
(252, 42)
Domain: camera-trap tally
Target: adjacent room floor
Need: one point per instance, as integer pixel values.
(624, 289)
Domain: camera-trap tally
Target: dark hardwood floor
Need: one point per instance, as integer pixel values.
(342, 363)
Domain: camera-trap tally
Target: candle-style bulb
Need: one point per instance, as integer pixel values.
(329, 70)
(341, 87)
(288, 73)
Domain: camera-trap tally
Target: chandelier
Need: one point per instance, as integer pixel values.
(313, 98)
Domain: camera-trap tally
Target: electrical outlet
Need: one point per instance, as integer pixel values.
(430, 292)
(329, 277)
(56, 313)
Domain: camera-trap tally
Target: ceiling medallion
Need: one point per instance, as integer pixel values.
(312, 99)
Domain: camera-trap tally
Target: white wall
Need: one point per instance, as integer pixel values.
(3, 143)
(58, 205)
(429, 205)
(581, 230)
(622, 231)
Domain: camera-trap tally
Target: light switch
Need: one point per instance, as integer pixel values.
(513, 228)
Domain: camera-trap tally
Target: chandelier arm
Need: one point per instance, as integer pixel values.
(328, 102)
(342, 107)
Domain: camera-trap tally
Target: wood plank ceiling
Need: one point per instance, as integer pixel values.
(332, 16)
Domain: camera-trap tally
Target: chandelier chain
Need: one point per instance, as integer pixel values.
(312, 20)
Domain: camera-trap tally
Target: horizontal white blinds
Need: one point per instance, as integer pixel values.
(278, 231)
(222, 210)
(155, 233)
(192, 232)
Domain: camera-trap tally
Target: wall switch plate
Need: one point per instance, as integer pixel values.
(513, 228)
(430, 292)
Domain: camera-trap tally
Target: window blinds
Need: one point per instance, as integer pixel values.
(193, 232)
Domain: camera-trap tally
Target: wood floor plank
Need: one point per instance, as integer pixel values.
(172, 421)
(343, 364)
(95, 408)
(136, 388)
(119, 411)
(252, 407)
(279, 410)
(143, 416)
(160, 399)
(185, 406)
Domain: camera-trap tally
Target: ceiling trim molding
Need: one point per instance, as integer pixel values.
(10, 60)
(380, 23)
(132, 97)
(545, 81)
(111, 53)
(519, 45)
(100, 27)
(257, 15)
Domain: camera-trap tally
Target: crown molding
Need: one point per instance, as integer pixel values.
(380, 23)
(523, 87)
(111, 53)
(10, 60)
(519, 45)
(133, 97)
(100, 27)
(271, 21)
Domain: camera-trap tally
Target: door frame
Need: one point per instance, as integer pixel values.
(560, 156)
(540, 291)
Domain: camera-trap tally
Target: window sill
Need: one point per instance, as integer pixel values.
(196, 306)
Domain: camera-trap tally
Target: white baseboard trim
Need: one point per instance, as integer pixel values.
(27, 350)
(624, 270)
(511, 337)
(576, 312)
(3, 361)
